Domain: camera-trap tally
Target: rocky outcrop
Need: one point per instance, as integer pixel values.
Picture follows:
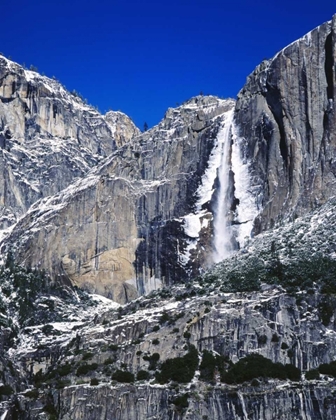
(48, 138)
(285, 117)
(282, 328)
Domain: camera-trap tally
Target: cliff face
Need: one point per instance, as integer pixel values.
(48, 138)
(152, 212)
(269, 323)
(120, 231)
(285, 117)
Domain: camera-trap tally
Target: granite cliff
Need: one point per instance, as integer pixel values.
(49, 138)
(248, 184)
(285, 114)
(156, 210)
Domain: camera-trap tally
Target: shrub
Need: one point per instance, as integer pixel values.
(123, 376)
(47, 329)
(210, 364)
(60, 384)
(164, 317)
(284, 346)
(113, 347)
(179, 369)
(109, 361)
(181, 402)
(63, 370)
(326, 310)
(94, 382)
(256, 366)
(156, 328)
(187, 335)
(156, 341)
(87, 356)
(6, 390)
(143, 375)
(312, 374)
(84, 369)
(153, 359)
(328, 369)
(33, 393)
(275, 338)
(262, 340)
(290, 353)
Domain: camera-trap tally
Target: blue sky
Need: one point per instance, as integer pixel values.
(143, 57)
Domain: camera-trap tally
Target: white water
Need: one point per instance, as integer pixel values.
(194, 222)
(233, 158)
(222, 225)
(247, 209)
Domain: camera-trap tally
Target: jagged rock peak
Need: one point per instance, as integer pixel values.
(49, 138)
(285, 116)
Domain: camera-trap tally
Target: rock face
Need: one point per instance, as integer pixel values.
(48, 138)
(268, 322)
(285, 115)
(144, 217)
(120, 231)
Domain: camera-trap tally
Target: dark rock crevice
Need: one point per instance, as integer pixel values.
(273, 98)
(329, 65)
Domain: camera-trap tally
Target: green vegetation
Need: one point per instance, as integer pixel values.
(86, 368)
(143, 375)
(312, 374)
(156, 342)
(181, 402)
(6, 390)
(94, 382)
(328, 369)
(211, 365)
(87, 356)
(262, 340)
(170, 319)
(257, 366)
(153, 360)
(113, 347)
(179, 369)
(123, 376)
(30, 287)
(33, 394)
(109, 361)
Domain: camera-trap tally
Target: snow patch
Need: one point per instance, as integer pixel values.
(247, 209)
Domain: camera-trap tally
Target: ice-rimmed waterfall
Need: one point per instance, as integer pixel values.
(222, 224)
(229, 235)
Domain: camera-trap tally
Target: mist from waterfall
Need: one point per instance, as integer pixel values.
(222, 223)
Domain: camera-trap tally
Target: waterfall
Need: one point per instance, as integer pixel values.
(228, 235)
(222, 222)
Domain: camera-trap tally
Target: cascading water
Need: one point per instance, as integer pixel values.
(222, 224)
(227, 234)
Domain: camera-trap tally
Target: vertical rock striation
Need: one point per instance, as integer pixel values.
(285, 115)
(49, 138)
(121, 231)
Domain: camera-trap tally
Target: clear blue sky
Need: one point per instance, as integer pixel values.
(141, 57)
